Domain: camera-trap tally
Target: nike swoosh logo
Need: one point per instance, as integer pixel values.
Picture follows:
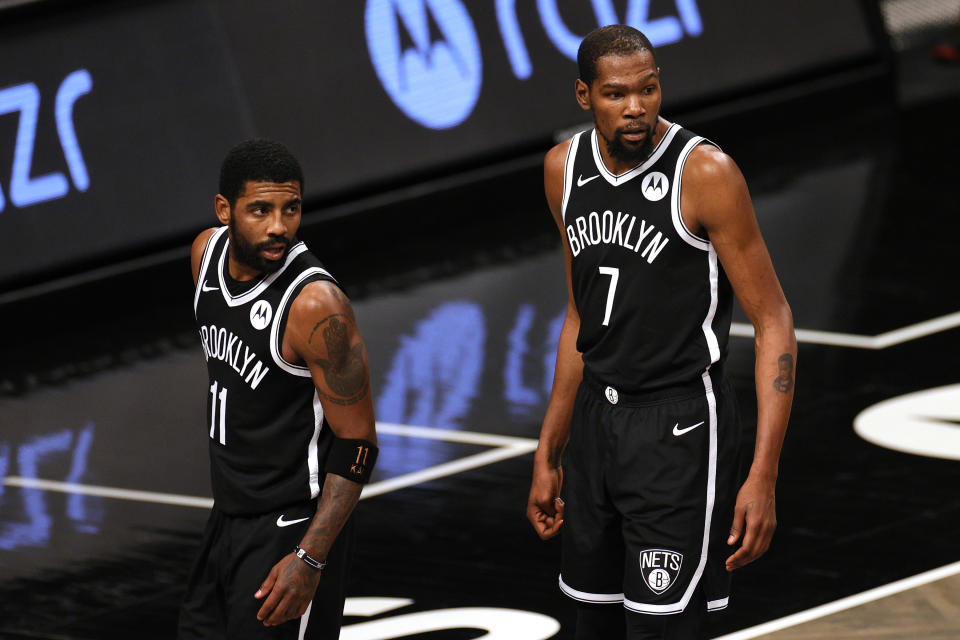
(581, 181)
(204, 287)
(286, 523)
(680, 432)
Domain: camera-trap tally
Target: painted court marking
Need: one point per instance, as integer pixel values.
(504, 448)
(845, 603)
(879, 341)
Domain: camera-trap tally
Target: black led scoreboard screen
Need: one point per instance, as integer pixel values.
(114, 118)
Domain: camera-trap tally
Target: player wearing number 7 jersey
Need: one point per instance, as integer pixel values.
(290, 419)
(658, 234)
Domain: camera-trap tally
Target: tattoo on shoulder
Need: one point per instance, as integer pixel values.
(784, 381)
(343, 370)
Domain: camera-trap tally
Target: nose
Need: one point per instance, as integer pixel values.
(275, 226)
(633, 107)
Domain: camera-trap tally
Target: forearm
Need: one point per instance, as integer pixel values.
(337, 501)
(566, 380)
(775, 374)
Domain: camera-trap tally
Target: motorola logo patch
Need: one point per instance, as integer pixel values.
(655, 186)
(427, 57)
(261, 314)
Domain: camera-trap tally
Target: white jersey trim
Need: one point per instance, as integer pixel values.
(617, 180)
(252, 294)
(313, 460)
(677, 607)
(568, 174)
(689, 237)
(275, 338)
(304, 621)
(712, 343)
(716, 605)
(583, 596)
(205, 266)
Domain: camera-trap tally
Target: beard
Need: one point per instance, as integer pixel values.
(629, 154)
(249, 254)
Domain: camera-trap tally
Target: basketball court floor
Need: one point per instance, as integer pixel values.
(103, 460)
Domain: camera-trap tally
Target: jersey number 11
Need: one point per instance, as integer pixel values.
(222, 412)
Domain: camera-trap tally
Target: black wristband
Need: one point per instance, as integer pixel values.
(352, 459)
(313, 562)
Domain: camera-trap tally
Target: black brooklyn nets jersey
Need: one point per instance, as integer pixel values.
(654, 302)
(268, 437)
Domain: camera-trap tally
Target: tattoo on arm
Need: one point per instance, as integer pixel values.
(784, 381)
(339, 498)
(343, 371)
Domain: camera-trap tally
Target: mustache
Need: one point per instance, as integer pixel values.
(272, 242)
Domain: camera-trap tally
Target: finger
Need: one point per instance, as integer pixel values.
(746, 553)
(270, 605)
(267, 584)
(282, 613)
(736, 529)
(559, 505)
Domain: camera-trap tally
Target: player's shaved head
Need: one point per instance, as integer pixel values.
(612, 40)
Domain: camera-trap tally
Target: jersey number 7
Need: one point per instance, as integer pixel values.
(614, 274)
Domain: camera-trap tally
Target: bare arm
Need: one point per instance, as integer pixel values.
(544, 507)
(196, 252)
(718, 202)
(322, 332)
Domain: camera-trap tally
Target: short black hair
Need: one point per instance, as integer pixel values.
(259, 160)
(612, 40)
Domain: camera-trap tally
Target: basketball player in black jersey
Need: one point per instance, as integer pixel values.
(290, 419)
(658, 234)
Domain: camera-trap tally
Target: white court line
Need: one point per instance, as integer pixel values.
(879, 341)
(506, 447)
(845, 603)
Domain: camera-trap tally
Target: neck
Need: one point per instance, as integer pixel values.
(239, 271)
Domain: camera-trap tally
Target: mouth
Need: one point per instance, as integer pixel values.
(273, 251)
(634, 135)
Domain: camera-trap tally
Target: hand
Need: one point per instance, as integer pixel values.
(288, 590)
(544, 506)
(755, 519)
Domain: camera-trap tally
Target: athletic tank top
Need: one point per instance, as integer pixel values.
(653, 300)
(268, 437)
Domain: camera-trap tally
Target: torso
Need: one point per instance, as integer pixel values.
(268, 438)
(653, 300)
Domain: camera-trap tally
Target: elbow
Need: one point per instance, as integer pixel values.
(776, 324)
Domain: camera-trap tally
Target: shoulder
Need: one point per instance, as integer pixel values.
(553, 169)
(557, 157)
(199, 246)
(707, 166)
(319, 299)
(714, 190)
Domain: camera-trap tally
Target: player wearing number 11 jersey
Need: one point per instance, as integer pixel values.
(658, 235)
(289, 414)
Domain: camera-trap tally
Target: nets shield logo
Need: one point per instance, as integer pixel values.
(654, 186)
(260, 315)
(660, 568)
(427, 56)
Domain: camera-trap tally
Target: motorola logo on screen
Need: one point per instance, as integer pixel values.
(427, 53)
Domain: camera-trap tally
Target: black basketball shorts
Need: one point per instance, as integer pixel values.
(649, 484)
(236, 555)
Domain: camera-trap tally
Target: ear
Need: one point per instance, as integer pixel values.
(582, 91)
(222, 206)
